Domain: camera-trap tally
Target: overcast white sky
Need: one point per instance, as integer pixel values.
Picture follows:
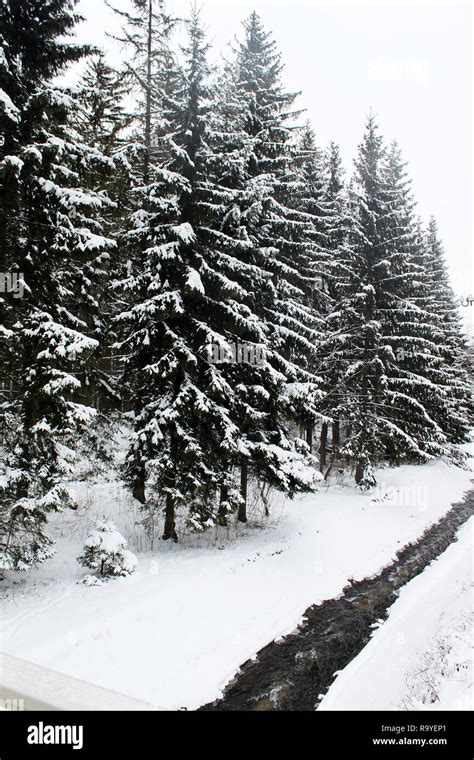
(411, 62)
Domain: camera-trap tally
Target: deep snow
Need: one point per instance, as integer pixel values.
(176, 631)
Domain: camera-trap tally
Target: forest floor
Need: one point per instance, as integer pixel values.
(175, 632)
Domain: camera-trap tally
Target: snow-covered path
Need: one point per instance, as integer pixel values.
(177, 630)
(422, 656)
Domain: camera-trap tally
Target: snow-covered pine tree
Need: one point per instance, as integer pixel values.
(451, 403)
(309, 195)
(340, 226)
(182, 403)
(385, 374)
(51, 235)
(280, 239)
(361, 318)
(334, 171)
(102, 121)
(149, 72)
(312, 251)
(105, 553)
(340, 221)
(383, 338)
(407, 328)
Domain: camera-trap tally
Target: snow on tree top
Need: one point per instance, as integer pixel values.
(106, 536)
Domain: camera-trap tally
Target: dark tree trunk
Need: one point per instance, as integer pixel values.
(146, 166)
(360, 470)
(347, 435)
(242, 515)
(336, 440)
(138, 488)
(169, 531)
(323, 446)
(309, 436)
(362, 460)
(221, 513)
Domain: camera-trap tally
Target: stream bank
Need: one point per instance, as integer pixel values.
(293, 672)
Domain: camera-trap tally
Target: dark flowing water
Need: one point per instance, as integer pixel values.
(292, 673)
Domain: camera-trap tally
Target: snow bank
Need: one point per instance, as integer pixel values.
(422, 656)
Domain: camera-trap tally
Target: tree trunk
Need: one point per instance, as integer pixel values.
(347, 435)
(362, 461)
(138, 488)
(242, 515)
(360, 470)
(309, 436)
(169, 531)
(336, 440)
(323, 446)
(222, 512)
(146, 162)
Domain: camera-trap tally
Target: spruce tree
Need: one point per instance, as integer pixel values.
(51, 235)
(280, 235)
(409, 328)
(316, 251)
(366, 319)
(340, 227)
(181, 401)
(102, 122)
(452, 400)
(105, 553)
(146, 33)
(102, 118)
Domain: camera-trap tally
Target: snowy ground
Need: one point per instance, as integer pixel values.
(422, 656)
(176, 631)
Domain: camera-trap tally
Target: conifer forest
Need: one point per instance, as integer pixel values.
(204, 313)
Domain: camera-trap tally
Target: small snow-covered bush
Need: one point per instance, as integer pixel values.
(105, 552)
